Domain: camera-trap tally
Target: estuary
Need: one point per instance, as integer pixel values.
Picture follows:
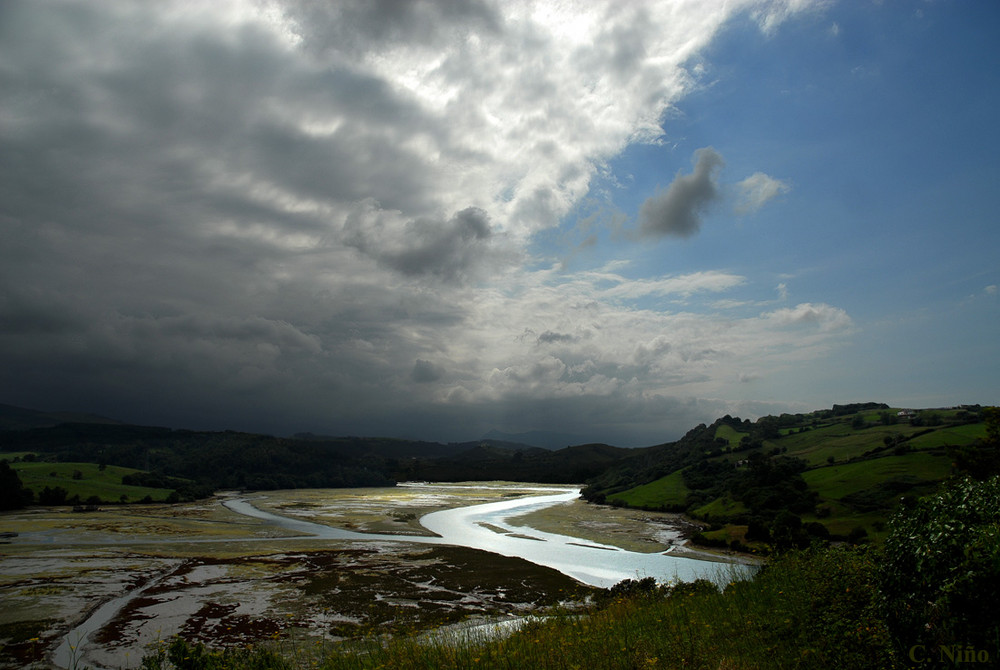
(313, 567)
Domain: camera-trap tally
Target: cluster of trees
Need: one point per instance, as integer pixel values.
(13, 494)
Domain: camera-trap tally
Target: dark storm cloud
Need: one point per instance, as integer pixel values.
(425, 372)
(291, 216)
(453, 249)
(358, 24)
(677, 210)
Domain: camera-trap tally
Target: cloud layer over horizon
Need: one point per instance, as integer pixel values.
(291, 216)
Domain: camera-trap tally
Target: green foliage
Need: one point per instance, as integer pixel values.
(939, 580)
(178, 654)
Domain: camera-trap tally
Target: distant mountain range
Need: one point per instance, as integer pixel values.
(537, 438)
(20, 418)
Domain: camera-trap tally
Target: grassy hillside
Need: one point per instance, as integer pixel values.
(839, 471)
(84, 480)
(665, 491)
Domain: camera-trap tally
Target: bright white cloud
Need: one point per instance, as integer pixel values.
(756, 190)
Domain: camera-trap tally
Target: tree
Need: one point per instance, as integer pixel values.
(788, 532)
(939, 578)
(53, 496)
(981, 459)
(13, 495)
(991, 416)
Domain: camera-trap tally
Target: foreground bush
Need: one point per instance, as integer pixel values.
(939, 581)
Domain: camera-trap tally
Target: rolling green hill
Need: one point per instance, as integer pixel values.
(836, 472)
(85, 481)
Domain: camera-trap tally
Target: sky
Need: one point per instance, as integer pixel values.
(431, 219)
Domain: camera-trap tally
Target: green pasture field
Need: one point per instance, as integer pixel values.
(105, 484)
(836, 481)
(840, 441)
(731, 434)
(721, 507)
(950, 436)
(669, 490)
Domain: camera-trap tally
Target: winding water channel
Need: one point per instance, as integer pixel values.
(484, 526)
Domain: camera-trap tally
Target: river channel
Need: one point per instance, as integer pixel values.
(487, 527)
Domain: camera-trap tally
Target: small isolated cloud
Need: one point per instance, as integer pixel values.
(821, 315)
(782, 289)
(677, 211)
(991, 289)
(756, 190)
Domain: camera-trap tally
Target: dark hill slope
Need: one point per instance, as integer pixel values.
(20, 418)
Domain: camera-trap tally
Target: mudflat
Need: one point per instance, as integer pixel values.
(209, 574)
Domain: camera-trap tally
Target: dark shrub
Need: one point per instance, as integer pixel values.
(939, 580)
